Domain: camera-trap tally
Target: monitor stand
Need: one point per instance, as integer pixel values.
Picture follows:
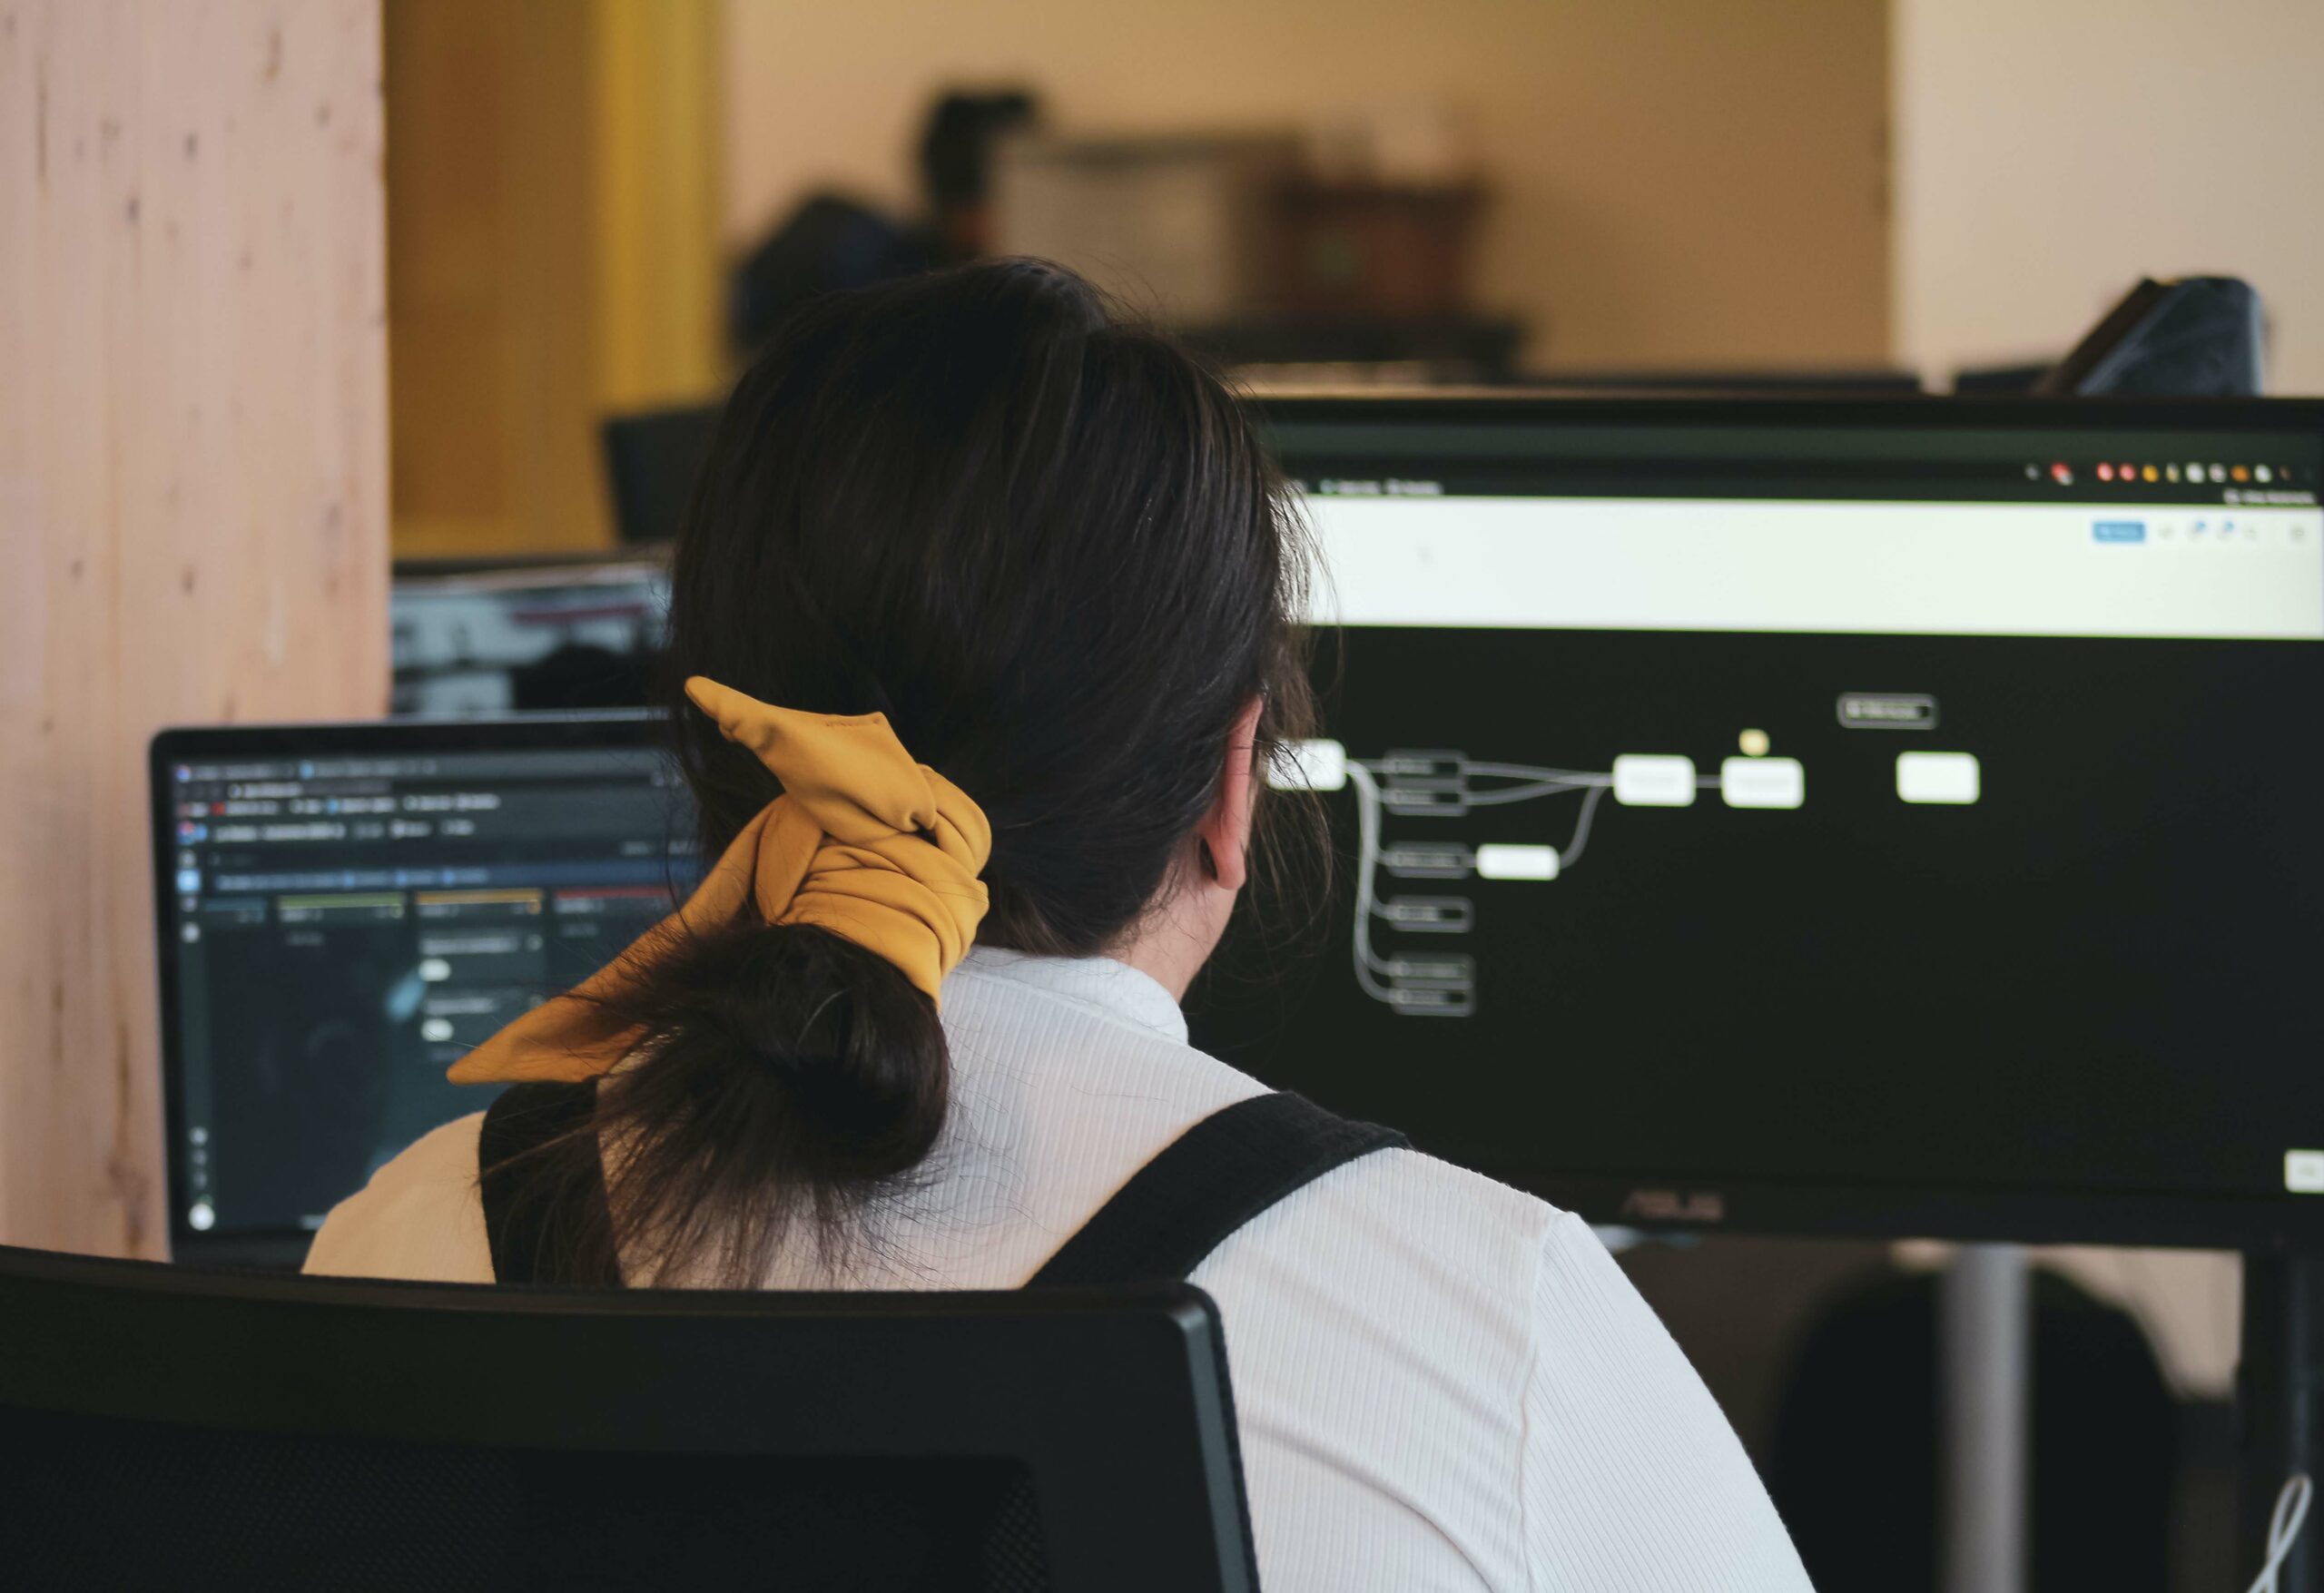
(1985, 1352)
(1984, 1335)
(2278, 1397)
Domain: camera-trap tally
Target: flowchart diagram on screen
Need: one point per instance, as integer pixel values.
(1439, 786)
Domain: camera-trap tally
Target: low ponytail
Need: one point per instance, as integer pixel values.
(783, 1080)
(768, 1058)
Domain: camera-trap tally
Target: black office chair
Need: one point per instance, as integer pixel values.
(167, 1427)
(651, 461)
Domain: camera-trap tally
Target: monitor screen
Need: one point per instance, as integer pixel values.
(1885, 818)
(542, 636)
(345, 909)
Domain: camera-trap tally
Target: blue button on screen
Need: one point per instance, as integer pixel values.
(2119, 530)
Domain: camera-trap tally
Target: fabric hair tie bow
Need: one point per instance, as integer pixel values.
(864, 841)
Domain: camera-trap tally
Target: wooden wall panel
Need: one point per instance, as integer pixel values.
(193, 504)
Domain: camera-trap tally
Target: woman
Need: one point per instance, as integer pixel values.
(1037, 560)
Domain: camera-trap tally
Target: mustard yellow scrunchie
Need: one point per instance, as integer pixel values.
(863, 843)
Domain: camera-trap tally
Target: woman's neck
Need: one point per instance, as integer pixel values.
(1172, 941)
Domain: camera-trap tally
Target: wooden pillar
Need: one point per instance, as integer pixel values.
(192, 505)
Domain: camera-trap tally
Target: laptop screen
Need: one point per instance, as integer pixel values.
(347, 910)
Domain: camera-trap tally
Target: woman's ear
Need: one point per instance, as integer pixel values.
(1224, 832)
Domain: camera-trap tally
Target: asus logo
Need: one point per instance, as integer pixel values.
(1671, 1205)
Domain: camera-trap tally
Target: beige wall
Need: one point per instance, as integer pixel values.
(1681, 182)
(2049, 154)
(192, 505)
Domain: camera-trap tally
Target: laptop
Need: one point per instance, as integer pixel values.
(344, 909)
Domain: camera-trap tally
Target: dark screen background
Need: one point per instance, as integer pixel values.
(2097, 979)
(325, 985)
(320, 1046)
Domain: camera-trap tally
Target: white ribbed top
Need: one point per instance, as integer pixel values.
(1441, 1383)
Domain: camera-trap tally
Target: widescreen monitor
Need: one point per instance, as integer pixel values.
(1889, 817)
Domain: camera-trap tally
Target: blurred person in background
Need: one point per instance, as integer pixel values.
(833, 241)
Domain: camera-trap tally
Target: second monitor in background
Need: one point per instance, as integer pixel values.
(542, 635)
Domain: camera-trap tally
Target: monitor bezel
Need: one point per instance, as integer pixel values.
(1671, 1199)
(1869, 410)
(610, 728)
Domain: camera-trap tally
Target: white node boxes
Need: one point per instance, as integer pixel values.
(1762, 782)
(1652, 780)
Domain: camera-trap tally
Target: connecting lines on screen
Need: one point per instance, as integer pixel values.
(1448, 785)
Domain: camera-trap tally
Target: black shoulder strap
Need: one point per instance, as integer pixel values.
(526, 1204)
(1211, 1180)
(1157, 1228)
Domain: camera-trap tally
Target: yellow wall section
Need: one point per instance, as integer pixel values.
(553, 253)
(662, 282)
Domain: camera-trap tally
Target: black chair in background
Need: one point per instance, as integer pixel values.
(651, 461)
(168, 1427)
(2194, 337)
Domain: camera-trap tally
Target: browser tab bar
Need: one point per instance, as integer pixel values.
(1867, 568)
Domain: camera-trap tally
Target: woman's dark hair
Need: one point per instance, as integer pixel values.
(1047, 543)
